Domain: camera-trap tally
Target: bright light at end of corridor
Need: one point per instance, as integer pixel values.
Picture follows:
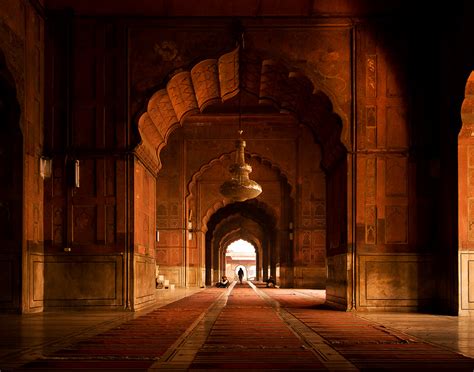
(241, 246)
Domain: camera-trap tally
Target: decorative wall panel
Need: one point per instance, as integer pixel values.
(396, 224)
(393, 281)
(37, 281)
(83, 280)
(371, 76)
(396, 176)
(371, 126)
(144, 281)
(397, 131)
(371, 224)
(336, 285)
(84, 224)
(371, 180)
(466, 282)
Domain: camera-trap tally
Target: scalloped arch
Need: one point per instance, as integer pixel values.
(224, 202)
(235, 235)
(214, 81)
(265, 161)
(467, 108)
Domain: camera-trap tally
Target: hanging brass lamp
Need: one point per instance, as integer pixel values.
(240, 187)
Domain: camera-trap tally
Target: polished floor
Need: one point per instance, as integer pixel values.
(244, 327)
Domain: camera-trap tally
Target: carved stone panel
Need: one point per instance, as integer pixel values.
(395, 280)
(84, 224)
(162, 257)
(371, 76)
(470, 217)
(470, 171)
(371, 180)
(397, 131)
(384, 282)
(396, 176)
(371, 126)
(470, 156)
(83, 280)
(58, 179)
(466, 284)
(58, 232)
(110, 227)
(371, 224)
(396, 224)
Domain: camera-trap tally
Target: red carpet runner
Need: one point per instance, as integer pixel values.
(366, 345)
(249, 335)
(134, 345)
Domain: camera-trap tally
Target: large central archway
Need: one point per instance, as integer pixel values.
(267, 92)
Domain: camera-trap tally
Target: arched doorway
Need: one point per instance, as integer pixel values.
(312, 225)
(11, 192)
(241, 254)
(248, 221)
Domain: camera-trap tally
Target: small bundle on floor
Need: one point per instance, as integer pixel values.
(224, 283)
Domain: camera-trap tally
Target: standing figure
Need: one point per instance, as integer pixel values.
(240, 273)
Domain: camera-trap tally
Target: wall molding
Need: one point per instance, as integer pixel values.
(63, 275)
(466, 283)
(395, 282)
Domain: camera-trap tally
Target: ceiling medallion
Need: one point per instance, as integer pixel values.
(240, 187)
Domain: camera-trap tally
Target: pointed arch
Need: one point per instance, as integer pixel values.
(215, 81)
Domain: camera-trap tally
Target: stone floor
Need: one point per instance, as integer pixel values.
(242, 327)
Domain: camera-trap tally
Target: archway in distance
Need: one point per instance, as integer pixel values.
(241, 253)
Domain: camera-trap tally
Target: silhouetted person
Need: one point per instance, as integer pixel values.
(224, 283)
(240, 273)
(271, 282)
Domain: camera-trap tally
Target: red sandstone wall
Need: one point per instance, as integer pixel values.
(144, 189)
(466, 201)
(86, 122)
(391, 238)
